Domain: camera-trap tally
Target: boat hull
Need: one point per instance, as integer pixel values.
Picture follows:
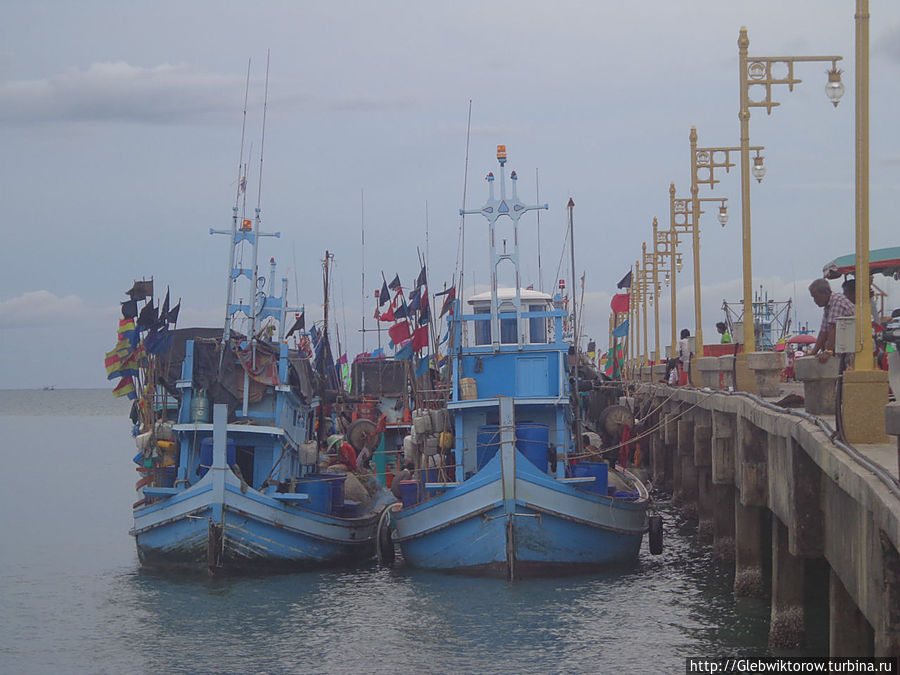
(230, 530)
(547, 528)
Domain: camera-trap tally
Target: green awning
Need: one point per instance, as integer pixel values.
(885, 261)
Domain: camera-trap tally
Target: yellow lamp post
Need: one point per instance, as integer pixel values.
(865, 389)
(686, 218)
(758, 72)
(652, 281)
(667, 260)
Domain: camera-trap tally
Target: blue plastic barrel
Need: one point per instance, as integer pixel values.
(409, 493)
(206, 454)
(600, 470)
(487, 444)
(532, 440)
(336, 486)
(318, 487)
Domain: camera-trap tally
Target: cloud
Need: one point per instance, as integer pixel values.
(888, 44)
(43, 308)
(118, 91)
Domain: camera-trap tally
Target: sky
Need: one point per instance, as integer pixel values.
(121, 128)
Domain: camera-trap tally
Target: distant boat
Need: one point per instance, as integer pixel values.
(49, 387)
(517, 500)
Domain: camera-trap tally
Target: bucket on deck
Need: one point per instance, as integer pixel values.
(409, 493)
(600, 470)
(206, 455)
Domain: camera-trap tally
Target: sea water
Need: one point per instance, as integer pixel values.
(73, 598)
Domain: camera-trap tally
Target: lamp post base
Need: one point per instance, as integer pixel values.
(864, 397)
(745, 380)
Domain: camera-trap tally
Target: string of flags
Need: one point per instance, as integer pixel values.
(410, 315)
(140, 334)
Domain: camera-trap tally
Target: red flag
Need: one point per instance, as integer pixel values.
(419, 338)
(619, 303)
(399, 332)
(388, 315)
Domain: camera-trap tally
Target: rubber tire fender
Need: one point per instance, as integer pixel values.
(386, 552)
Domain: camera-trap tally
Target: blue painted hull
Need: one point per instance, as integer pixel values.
(549, 527)
(227, 530)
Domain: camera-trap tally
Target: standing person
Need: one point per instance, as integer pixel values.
(683, 357)
(722, 329)
(836, 306)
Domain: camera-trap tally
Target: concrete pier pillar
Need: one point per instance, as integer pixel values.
(819, 383)
(748, 549)
(689, 487)
(766, 367)
(685, 440)
(751, 465)
(849, 634)
(722, 448)
(887, 630)
(723, 522)
(705, 502)
(657, 460)
(676, 467)
(787, 629)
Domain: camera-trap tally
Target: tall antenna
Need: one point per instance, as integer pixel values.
(576, 396)
(263, 139)
(427, 256)
(537, 184)
(241, 184)
(362, 218)
(461, 291)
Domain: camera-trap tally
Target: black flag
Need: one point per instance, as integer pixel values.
(299, 324)
(625, 282)
(129, 309)
(420, 281)
(385, 294)
(141, 290)
(395, 284)
(172, 315)
(148, 317)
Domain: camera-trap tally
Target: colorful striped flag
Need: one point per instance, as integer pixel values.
(125, 388)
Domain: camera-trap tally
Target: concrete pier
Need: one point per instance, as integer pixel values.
(772, 485)
(786, 627)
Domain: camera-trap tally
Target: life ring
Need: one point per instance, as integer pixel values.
(655, 533)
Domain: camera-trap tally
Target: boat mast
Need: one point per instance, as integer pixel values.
(241, 190)
(576, 394)
(513, 208)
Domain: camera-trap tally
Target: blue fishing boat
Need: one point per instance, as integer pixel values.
(519, 499)
(230, 429)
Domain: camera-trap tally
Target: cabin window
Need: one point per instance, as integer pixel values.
(482, 328)
(508, 333)
(537, 328)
